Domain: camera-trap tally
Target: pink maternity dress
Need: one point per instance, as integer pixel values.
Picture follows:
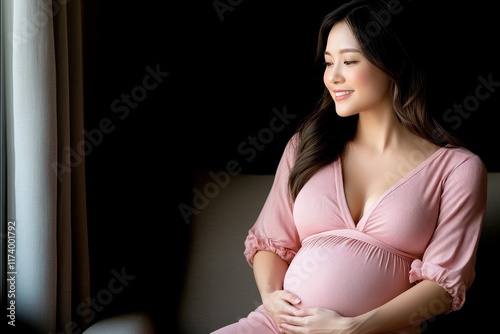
(426, 226)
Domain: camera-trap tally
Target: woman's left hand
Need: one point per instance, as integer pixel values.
(315, 321)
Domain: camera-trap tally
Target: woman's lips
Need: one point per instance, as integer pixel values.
(342, 94)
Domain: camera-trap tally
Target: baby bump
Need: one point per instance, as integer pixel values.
(345, 274)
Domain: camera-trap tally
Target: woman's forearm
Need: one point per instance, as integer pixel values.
(418, 304)
(269, 271)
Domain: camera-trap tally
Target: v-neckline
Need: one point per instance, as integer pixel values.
(343, 199)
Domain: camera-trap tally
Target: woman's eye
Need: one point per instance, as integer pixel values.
(347, 62)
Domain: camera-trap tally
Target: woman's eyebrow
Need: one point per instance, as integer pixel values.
(348, 50)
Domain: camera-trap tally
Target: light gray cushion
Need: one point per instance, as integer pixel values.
(127, 323)
(219, 287)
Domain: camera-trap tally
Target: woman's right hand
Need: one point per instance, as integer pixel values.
(280, 302)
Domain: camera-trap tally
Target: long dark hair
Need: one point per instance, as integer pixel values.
(322, 135)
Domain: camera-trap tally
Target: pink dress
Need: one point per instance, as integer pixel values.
(425, 226)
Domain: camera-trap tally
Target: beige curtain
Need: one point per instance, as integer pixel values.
(45, 151)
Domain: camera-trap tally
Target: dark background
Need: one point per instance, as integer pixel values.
(226, 75)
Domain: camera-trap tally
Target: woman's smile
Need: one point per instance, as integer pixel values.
(342, 94)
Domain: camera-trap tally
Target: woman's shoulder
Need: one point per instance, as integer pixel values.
(461, 157)
(294, 140)
(460, 152)
(292, 144)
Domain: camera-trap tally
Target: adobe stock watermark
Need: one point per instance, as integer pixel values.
(248, 150)
(410, 162)
(121, 107)
(471, 103)
(31, 26)
(306, 267)
(91, 306)
(374, 27)
(455, 115)
(221, 7)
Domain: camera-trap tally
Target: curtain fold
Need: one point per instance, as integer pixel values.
(79, 234)
(45, 151)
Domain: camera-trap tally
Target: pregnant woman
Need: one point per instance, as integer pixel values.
(374, 217)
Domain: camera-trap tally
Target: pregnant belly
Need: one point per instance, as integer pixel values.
(345, 274)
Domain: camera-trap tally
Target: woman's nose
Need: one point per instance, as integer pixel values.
(334, 74)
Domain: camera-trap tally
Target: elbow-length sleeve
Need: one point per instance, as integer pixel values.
(274, 229)
(450, 256)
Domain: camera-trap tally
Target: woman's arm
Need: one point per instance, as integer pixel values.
(422, 302)
(269, 271)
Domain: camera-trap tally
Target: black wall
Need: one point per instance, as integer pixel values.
(224, 71)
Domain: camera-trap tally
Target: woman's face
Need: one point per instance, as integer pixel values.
(354, 83)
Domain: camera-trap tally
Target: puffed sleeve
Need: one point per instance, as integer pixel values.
(274, 230)
(450, 256)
